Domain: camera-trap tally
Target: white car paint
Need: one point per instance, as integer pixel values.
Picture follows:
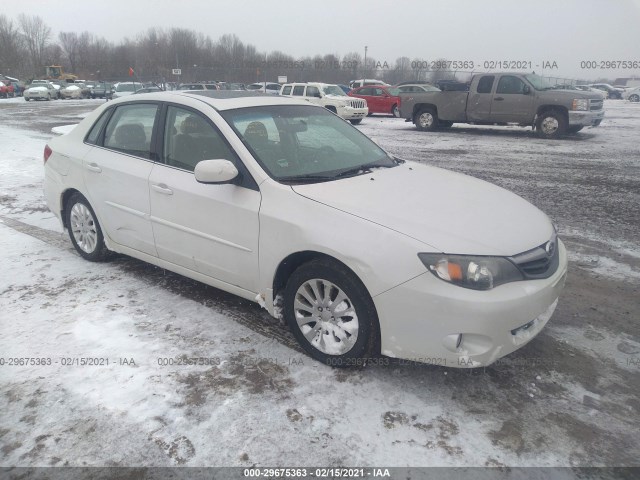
(235, 238)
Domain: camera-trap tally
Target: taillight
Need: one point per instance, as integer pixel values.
(47, 153)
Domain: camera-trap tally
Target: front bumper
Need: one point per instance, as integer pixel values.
(421, 320)
(586, 119)
(36, 96)
(350, 113)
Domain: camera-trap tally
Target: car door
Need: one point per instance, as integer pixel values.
(312, 95)
(480, 99)
(367, 94)
(207, 228)
(116, 174)
(512, 101)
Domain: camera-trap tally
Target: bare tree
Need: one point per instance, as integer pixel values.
(69, 43)
(12, 50)
(36, 36)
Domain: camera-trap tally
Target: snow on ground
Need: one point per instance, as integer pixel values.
(569, 398)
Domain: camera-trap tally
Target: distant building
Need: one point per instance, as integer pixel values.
(628, 82)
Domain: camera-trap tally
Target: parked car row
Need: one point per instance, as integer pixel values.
(10, 87)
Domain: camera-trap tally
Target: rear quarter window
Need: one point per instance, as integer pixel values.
(94, 134)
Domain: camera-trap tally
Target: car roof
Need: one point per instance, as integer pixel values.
(222, 99)
(319, 84)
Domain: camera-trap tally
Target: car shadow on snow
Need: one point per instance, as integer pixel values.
(490, 131)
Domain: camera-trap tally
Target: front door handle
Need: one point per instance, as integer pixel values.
(499, 99)
(162, 188)
(93, 167)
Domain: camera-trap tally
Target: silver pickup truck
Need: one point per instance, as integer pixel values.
(504, 98)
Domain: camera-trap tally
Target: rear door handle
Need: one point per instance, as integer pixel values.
(93, 167)
(162, 188)
(499, 99)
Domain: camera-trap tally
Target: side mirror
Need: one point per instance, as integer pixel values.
(215, 171)
(526, 90)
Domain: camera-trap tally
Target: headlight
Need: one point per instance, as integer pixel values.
(477, 273)
(580, 104)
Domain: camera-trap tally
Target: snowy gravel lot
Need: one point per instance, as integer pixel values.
(569, 398)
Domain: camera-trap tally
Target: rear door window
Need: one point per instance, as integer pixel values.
(130, 128)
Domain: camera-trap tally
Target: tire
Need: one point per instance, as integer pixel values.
(395, 111)
(574, 129)
(356, 121)
(634, 98)
(551, 124)
(445, 124)
(84, 229)
(26, 99)
(426, 120)
(311, 294)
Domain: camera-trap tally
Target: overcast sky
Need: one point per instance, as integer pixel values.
(563, 31)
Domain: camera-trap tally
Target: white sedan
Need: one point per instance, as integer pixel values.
(282, 202)
(632, 94)
(40, 91)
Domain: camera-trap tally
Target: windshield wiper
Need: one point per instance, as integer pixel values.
(366, 168)
(306, 178)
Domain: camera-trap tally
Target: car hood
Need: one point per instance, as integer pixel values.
(571, 94)
(448, 211)
(37, 89)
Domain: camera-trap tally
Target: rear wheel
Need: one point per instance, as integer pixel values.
(330, 313)
(551, 124)
(84, 229)
(634, 98)
(426, 120)
(395, 111)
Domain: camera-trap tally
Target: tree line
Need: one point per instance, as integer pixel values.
(28, 44)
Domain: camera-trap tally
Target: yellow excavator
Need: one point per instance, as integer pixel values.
(55, 72)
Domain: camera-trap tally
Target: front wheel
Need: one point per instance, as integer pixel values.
(331, 314)
(426, 120)
(634, 98)
(551, 124)
(84, 229)
(395, 111)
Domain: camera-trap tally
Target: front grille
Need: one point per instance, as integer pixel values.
(595, 104)
(539, 262)
(358, 103)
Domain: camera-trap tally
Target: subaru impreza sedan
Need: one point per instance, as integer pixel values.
(286, 204)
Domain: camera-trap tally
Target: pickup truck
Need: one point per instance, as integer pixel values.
(505, 98)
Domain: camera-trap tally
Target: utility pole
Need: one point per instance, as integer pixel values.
(365, 62)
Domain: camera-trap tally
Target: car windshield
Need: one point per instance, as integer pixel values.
(127, 87)
(333, 90)
(304, 144)
(538, 82)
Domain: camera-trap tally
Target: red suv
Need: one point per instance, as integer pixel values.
(380, 99)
